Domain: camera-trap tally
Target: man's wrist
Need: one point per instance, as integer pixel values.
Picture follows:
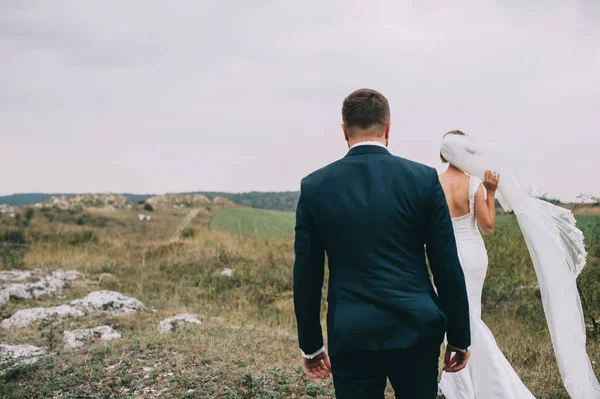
(455, 349)
(312, 355)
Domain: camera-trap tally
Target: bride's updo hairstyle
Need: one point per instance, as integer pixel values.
(451, 132)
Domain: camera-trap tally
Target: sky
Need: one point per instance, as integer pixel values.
(170, 96)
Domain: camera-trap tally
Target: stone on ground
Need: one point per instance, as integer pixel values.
(26, 317)
(113, 303)
(224, 272)
(168, 325)
(18, 275)
(49, 285)
(78, 338)
(15, 355)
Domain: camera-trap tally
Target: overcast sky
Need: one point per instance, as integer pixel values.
(166, 96)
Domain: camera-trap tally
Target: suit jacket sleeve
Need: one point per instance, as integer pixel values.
(446, 269)
(308, 279)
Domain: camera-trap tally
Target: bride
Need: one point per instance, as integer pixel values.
(558, 256)
(488, 374)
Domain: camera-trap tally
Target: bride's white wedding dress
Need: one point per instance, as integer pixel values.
(558, 255)
(488, 374)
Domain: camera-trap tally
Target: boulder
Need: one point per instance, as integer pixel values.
(26, 317)
(15, 355)
(18, 275)
(226, 272)
(111, 302)
(168, 325)
(49, 285)
(78, 338)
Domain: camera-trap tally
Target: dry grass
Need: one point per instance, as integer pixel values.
(246, 346)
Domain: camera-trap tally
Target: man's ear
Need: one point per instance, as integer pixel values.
(345, 130)
(388, 126)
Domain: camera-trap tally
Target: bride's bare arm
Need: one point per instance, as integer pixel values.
(485, 208)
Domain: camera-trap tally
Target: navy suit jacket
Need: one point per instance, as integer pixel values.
(376, 216)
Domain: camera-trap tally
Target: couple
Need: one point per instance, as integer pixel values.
(378, 217)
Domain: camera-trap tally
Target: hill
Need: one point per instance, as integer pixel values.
(278, 201)
(36, 198)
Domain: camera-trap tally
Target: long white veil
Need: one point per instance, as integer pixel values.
(557, 251)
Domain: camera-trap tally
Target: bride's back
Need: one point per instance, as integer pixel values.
(456, 189)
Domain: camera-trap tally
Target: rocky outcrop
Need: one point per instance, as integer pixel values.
(18, 275)
(223, 202)
(108, 302)
(167, 326)
(170, 201)
(83, 201)
(49, 285)
(78, 338)
(16, 355)
(7, 209)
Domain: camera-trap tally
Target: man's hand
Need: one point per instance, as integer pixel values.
(455, 360)
(317, 367)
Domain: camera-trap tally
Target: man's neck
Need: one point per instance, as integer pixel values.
(353, 142)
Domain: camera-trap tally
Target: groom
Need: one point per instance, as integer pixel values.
(375, 215)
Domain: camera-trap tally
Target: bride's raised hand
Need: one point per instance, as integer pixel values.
(491, 181)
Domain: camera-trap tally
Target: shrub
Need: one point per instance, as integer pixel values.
(148, 207)
(188, 232)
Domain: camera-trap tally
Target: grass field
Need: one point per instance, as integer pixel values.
(255, 222)
(246, 346)
(251, 222)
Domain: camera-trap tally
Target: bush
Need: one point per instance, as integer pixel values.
(188, 232)
(13, 237)
(76, 238)
(148, 207)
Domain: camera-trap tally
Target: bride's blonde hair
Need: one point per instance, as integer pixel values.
(450, 132)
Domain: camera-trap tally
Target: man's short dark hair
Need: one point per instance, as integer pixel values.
(365, 108)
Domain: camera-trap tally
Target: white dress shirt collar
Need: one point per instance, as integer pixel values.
(377, 143)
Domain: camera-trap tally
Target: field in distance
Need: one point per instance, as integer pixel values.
(255, 222)
(264, 223)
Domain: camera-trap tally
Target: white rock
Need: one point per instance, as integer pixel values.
(141, 217)
(17, 275)
(77, 338)
(49, 285)
(67, 275)
(111, 302)
(25, 317)
(13, 355)
(167, 325)
(4, 297)
(224, 272)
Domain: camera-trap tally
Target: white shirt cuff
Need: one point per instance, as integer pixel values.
(457, 349)
(312, 355)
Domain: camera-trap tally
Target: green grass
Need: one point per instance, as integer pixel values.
(585, 223)
(255, 222)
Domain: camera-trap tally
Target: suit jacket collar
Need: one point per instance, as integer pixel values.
(367, 149)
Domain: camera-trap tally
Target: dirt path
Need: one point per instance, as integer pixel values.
(190, 216)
